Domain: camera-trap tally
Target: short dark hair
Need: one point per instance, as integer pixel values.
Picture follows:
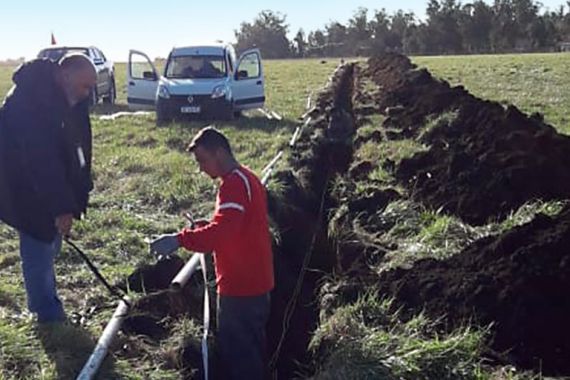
(76, 62)
(211, 139)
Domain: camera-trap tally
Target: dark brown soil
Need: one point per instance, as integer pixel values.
(300, 216)
(517, 281)
(482, 165)
(153, 314)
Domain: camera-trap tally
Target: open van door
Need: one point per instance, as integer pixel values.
(248, 84)
(142, 81)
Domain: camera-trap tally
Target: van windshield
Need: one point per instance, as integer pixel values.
(196, 66)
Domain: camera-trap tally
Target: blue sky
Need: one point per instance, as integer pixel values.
(155, 26)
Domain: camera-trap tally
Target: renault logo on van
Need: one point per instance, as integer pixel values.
(190, 99)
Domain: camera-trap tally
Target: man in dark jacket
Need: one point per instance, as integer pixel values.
(45, 167)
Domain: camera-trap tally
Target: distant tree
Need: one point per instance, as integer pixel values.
(317, 38)
(316, 43)
(476, 24)
(358, 33)
(379, 28)
(443, 31)
(336, 35)
(505, 30)
(450, 27)
(400, 25)
(300, 43)
(565, 27)
(268, 32)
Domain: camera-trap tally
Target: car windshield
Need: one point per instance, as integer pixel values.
(55, 54)
(196, 66)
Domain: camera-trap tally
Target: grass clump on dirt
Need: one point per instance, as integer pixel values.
(368, 339)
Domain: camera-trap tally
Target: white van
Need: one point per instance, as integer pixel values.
(198, 82)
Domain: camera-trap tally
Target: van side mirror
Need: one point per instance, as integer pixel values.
(149, 75)
(242, 74)
(98, 61)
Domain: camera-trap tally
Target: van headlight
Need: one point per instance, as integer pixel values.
(163, 92)
(220, 91)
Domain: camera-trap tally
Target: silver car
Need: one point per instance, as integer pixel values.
(105, 88)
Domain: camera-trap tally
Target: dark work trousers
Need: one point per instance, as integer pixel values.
(241, 338)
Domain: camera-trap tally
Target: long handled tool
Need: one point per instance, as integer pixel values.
(100, 352)
(113, 290)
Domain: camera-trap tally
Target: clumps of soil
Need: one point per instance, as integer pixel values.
(485, 162)
(151, 278)
(154, 314)
(299, 214)
(517, 281)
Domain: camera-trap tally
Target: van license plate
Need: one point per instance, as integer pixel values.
(190, 109)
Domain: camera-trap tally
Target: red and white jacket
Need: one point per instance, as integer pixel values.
(238, 236)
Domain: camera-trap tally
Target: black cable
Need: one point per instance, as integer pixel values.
(112, 289)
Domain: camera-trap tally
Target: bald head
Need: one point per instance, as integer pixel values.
(79, 77)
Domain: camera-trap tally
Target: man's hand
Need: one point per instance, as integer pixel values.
(63, 224)
(165, 245)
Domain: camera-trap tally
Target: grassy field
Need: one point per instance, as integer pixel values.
(532, 82)
(144, 180)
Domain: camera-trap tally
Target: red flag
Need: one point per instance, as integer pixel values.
(53, 39)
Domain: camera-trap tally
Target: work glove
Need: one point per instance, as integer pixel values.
(165, 245)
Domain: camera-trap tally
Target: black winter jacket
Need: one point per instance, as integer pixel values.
(45, 152)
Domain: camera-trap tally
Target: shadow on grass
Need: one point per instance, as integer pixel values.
(69, 347)
(244, 123)
(250, 120)
(109, 109)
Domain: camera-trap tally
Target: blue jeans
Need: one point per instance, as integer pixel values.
(241, 336)
(39, 277)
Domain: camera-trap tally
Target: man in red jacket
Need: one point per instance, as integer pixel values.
(238, 235)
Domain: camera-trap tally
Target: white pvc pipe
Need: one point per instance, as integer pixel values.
(92, 366)
(294, 138)
(298, 132)
(308, 112)
(265, 113)
(186, 272)
(272, 163)
(276, 116)
(309, 101)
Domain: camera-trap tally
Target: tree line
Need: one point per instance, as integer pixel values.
(450, 27)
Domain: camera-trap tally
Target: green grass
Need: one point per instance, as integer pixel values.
(144, 180)
(532, 82)
(368, 339)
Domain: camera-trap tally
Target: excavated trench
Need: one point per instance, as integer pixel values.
(301, 249)
(300, 215)
(484, 162)
(480, 161)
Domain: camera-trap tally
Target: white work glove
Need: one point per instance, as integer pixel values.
(165, 245)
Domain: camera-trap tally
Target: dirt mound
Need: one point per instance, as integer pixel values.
(517, 281)
(479, 160)
(154, 314)
(483, 160)
(299, 214)
(151, 278)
